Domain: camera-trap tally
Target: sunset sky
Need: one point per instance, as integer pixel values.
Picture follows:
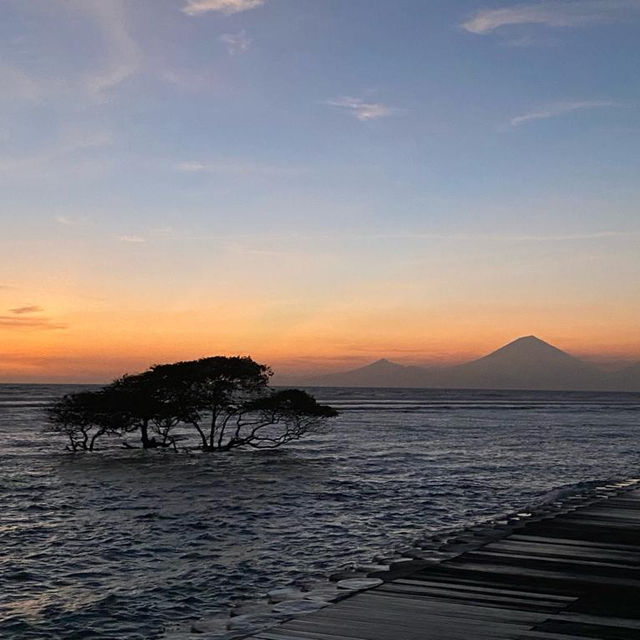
(315, 183)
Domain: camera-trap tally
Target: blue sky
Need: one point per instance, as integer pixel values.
(144, 143)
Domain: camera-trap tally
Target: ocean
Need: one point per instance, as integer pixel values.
(131, 544)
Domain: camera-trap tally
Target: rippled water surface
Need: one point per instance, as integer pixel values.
(121, 544)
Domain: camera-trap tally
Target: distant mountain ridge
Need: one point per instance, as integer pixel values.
(527, 363)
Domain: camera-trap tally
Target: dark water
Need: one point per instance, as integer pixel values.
(123, 544)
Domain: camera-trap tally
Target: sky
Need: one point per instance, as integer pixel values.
(315, 183)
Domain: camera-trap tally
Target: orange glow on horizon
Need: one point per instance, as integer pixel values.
(311, 310)
(98, 346)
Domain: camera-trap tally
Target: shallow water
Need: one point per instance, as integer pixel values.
(122, 544)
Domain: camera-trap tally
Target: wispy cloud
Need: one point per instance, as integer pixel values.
(558, 109)
(150, 235)
(119, 59)
(194, 167)
(123, 57)
(362, 110)
(236, 43)
(29, 323)
(198, 7)
(559, 13)
(67, 221)
(237, 168)
(522, 41)
(33, 308)
(242, 248)
(132, 239)
(163, 232)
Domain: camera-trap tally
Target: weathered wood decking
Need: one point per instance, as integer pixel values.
(573, 575)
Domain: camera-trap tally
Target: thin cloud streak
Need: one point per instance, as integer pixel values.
(561, 13)
(236, 168)
(120, 59)
(132, 239)
(66, 221)
(20, 323)
(236, 43)
(362, 110)
(559, 109)
(198, 7)
(123, 55)
(27, 309)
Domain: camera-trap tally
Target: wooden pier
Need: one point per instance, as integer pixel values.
(569, 576)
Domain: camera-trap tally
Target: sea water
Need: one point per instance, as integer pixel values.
(126, 543)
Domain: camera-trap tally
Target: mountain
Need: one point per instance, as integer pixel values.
(627, 379)
(381, 373)
(526, 363)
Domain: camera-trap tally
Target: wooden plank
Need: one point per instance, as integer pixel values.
(543, 635)
(562, 551)
(563, 576)
(603, 567)
(626, 623)
(485, 588)
(390, 604)
(570, 577)
(593, 631)
(570, 542)
(277, 634)
(425, 629)
(484, 599)
(450, 573)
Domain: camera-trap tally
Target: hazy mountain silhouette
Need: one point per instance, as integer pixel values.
(627, 379)
(528, 363)
(525, 363)
(376, 374)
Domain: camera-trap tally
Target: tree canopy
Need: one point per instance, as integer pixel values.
(227, 401)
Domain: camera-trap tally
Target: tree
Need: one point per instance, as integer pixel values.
(274, 420)
(227, 400)
(83, 417)
(209, 393)
(144, 403)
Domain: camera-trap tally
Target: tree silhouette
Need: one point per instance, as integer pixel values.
(226, 400)
(208, 393)
(83, 417)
